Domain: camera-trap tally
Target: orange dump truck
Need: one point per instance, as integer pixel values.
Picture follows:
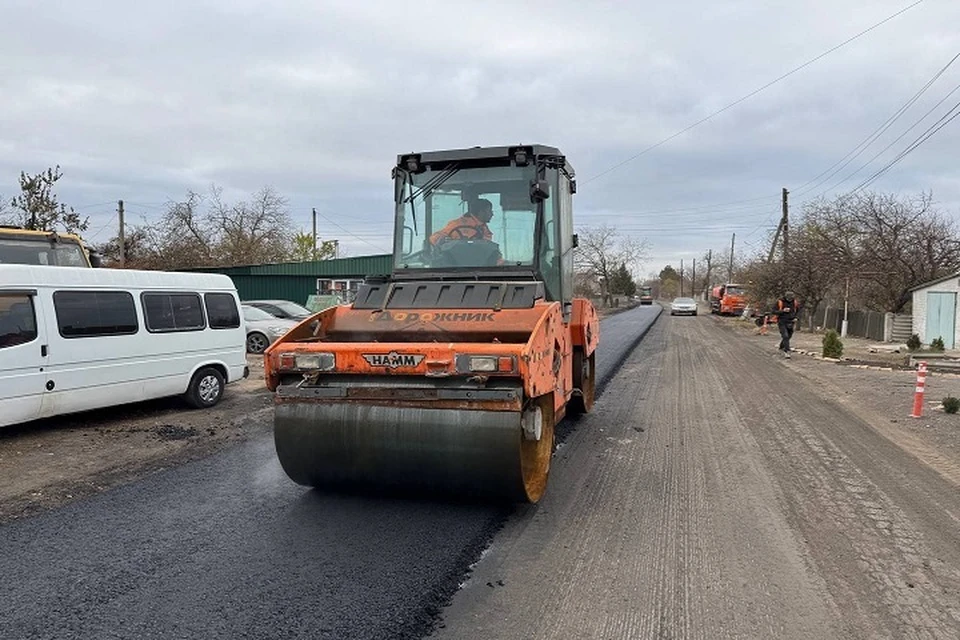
(450, 374)
(728, 299)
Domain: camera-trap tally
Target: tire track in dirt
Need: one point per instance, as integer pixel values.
(668, 532)
(890, 563)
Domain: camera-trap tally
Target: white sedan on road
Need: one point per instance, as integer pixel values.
(683, 306)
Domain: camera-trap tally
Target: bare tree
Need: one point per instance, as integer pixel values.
(138, 252)
(585, 284)
(871, 247)
(199, 231)
(184, 236)
(905, 242)
(253, 231)
(602, 250)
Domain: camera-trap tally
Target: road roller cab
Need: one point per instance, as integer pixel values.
(450, 374)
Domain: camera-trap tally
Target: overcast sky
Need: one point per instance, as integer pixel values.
(317, 97)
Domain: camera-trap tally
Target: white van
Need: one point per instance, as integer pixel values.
(73, 339)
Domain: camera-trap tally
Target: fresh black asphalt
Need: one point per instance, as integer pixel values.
(228, 547)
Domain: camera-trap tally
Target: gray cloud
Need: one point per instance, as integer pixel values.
(143, 103)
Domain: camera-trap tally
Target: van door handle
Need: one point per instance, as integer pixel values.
(43, 350)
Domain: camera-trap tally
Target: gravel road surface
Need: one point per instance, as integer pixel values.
(714, 493)
(228, 547)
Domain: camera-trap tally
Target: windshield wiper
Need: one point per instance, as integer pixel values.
(433, 183)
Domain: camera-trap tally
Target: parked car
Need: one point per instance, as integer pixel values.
(263, 329)
(683, 306)
(76, 338)
(281, 309)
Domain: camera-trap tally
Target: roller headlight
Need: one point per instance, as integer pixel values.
(483, 364)
(315, 361)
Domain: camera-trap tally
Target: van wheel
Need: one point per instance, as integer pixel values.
(206, 388)
(257, 343)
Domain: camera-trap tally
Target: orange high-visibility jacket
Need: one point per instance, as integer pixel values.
(481, 230)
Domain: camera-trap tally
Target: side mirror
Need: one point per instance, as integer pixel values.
(576, 241)
(96, 260)
(573, 186)
(539, 190)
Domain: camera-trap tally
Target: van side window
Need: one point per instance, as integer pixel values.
(18, 322)
(85, 314)
(222, 312)
(165, 312)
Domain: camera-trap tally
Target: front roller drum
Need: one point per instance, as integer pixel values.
(499, 455)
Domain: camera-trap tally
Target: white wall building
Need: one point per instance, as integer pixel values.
(936, 312)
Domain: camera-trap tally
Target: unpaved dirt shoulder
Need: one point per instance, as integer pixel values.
(49, 463)
(881, 393)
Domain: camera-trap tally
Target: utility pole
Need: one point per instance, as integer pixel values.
(846, 309)
(121, 236)
(782, 228)
(693, 280)
(681, 277)
(785, 223)
(313, 254)
(733, 243)
(776, 238)
(709, 265)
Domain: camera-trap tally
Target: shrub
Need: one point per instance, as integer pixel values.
(832, 346)
(937, 345)
(951, 404)
(913, 343)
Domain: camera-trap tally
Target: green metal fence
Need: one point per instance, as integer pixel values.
(297, 280)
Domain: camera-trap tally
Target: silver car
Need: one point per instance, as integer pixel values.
(281, 308)
(683, 306)
(263, 329)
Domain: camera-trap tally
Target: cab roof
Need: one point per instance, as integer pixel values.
(484, 153)
(21, 232)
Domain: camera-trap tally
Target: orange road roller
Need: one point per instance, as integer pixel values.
(450, 374)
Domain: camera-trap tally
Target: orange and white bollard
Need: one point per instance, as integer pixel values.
(918, 395)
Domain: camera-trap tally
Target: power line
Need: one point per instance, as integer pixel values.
(719, 207)
(893, 142)
(874, 136)
(926, 135)
(349, 233)
(91, 206)
(112, 220)
(752, 93)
